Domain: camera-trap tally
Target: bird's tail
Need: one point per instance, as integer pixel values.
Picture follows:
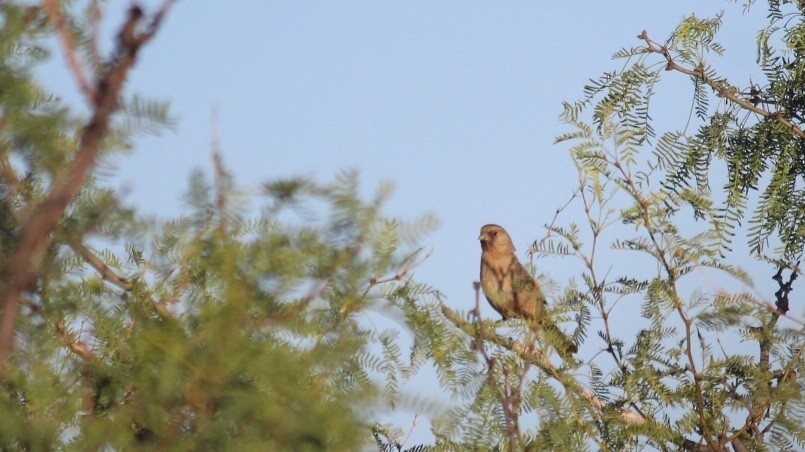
(563, 343)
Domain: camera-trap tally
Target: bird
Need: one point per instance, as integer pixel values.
(509, 287)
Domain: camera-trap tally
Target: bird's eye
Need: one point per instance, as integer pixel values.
(493, 233)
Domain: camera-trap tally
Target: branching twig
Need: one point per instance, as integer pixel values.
(536, 357)
(596, 286)
(532, 250)
(104, 270)
(20, 269)
(722, 90)
(672, 274)
(53, 11)
(508, 396)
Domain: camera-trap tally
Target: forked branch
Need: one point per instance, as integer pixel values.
(20, 269)
(536, 357)
(722, 90)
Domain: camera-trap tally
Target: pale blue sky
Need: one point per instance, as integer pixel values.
(457, 102)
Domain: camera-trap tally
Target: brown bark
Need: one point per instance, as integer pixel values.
(20, 269)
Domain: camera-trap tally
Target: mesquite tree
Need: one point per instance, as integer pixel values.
(226, 329)
(215, 330)
(679, 348)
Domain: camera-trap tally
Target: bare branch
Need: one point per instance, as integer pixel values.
(69, 341)
(53, 11)
(104, 270)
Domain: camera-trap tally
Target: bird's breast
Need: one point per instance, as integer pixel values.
(496, 272)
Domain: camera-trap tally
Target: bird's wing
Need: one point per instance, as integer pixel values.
(530, 301)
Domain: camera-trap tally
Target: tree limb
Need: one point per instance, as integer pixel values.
(104, 270)
(537, 358)
(509, 400)
(56, 17)
(19, 270)
(722, 90)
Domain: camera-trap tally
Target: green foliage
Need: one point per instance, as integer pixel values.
(757, 131)
(234, 333)
(684, 383)
(236, 328)
(683, 379)
(216, 330)
(684, 375)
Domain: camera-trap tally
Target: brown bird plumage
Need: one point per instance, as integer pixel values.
(509, 287)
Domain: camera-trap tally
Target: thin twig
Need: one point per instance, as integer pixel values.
(104, 270)
(532, 250)
(536, 357)
(411, 430)
(722, 90)
(53, 11)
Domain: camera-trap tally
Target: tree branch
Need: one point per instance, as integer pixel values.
(53, 11)
(722, 90)
(19, 270)
(104, 270)
(537, 358)
(509, 400)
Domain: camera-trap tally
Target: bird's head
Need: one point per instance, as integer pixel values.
(495, 239)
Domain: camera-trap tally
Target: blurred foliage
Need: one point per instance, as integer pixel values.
(266, 328)
(215, 330)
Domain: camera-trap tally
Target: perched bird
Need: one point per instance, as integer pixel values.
(509, 287)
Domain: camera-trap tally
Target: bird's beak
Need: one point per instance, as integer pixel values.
(484, 239)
